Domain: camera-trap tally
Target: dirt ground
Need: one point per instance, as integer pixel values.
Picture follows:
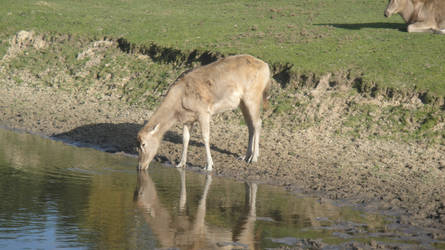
(404, 179)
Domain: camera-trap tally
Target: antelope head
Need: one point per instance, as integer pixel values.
(395, 6)
(148, 146)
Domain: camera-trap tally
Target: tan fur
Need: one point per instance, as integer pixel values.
(196, 95)
(420, 15)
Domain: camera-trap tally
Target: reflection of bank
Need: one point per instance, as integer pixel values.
(181, 231)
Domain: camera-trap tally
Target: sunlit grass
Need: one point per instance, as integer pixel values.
(315, 36)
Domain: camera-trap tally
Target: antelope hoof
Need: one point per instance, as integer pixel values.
(181, 165)
(249, 158)
(141, 168)
(209, 167)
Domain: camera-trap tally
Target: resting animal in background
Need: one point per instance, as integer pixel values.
(420, 15)
(197, 95)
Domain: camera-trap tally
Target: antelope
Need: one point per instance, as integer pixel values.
(420, 15)
(196, 95)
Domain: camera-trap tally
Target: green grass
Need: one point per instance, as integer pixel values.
(396, 121)
(316, 36)
(77, 65)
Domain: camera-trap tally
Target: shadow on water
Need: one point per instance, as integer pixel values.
(359, 26)
(120, 137)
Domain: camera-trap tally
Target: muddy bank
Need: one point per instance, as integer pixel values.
(325, 138)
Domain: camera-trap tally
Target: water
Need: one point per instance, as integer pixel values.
(58, 196)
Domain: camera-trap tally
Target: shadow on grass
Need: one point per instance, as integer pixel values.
(120, 137)
(169, 55)
(359, 26)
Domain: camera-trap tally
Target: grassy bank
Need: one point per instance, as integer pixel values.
(312, 37)
(105, 71)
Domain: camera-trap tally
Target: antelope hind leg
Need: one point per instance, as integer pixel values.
(251, 112)
(185, 144)
(249, 123)
(204, 121)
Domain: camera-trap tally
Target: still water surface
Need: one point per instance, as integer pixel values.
(58, 196)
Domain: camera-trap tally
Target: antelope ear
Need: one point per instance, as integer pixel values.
(155, 129)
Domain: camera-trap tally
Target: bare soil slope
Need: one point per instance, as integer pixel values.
(308, 148)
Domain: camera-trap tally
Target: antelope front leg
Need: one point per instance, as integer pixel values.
(256, 142)
(185, 144)
(420, 27)
(204, 121)
(440, 32)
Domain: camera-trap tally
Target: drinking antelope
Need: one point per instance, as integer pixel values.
(196, 95)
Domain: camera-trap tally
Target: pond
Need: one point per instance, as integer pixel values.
(54, 195)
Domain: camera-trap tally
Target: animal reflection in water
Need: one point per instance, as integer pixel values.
(181, 232)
